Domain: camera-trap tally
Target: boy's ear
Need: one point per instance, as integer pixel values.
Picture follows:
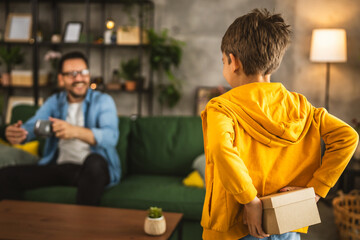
(235, 63)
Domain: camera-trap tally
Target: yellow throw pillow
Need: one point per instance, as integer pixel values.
(194, 180)
(30, 147)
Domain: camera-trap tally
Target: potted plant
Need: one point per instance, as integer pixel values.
(155, 223)
(10, 57)
(165, 54)
(129, 71)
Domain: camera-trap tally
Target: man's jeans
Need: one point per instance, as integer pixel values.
(284, 236)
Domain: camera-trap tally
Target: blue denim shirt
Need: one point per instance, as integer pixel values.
(100, 117)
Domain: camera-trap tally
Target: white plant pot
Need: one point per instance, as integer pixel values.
(155, 226)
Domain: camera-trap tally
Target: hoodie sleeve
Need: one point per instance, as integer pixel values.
(340, 142)
(222, 150)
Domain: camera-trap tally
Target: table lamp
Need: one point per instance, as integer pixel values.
(328, 46)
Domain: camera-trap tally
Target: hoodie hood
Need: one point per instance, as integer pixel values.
(267, 112)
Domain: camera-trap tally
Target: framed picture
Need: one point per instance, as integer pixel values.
(18, 27)
(72, 32)
(15, 100)
(204, 94)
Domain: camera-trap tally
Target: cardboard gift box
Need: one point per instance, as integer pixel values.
(130, 35)
(24, 78)
(288, 211)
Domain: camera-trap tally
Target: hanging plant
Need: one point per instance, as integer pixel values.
(169, 95)
(165, 54)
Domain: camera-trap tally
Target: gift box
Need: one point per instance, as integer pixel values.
(288, 211)
(24, 78)
(130, 35)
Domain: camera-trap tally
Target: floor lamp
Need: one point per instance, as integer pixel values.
(328, 46)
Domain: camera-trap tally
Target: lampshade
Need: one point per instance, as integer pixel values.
(328, 45)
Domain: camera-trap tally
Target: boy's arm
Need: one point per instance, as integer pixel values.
(222, 151)
(232, 171)
(340, 141)
(253, 218)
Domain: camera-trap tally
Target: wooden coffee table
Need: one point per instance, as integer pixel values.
(37, 221)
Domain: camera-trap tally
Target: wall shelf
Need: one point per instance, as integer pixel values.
(144, 15)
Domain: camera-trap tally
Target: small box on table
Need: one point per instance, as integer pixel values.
(288, 211)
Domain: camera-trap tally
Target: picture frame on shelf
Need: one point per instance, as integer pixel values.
(72, 32)
(205, 94)
(18, 100)
(18, 27)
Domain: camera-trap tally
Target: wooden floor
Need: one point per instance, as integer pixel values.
(326, 230)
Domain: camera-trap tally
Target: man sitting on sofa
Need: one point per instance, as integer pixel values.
(81, 151)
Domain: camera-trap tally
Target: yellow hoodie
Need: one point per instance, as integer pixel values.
(259, 138)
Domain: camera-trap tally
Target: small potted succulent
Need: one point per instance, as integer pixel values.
(129, 71)
(155, 223)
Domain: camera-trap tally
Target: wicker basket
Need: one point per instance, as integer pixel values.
(347, 215)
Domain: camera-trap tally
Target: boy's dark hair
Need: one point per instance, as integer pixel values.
(259, 40)
(71, 55)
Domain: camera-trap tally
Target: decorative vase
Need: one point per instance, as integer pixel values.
(155, 226)
(5, 79)
(130, 85)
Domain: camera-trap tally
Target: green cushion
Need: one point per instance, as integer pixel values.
(165, 145)
(22, 112)
(12, 156)
(122, 145)
(143, 191)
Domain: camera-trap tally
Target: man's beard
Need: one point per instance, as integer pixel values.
(75, 95)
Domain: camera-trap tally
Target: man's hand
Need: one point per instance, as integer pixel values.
(253, 218)
(65, 130)
(15, 134)
(62, 129)
(291, 188)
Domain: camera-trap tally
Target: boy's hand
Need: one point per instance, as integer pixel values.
(291, 188)
(253, 218)
(15, 134)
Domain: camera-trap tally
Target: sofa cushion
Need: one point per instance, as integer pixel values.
(167, 192)
(122, 145)
(136, 192)
(54, 194)
(22, 112)
(11, 156)
(199, 165)
(165, 145)
(194, 179)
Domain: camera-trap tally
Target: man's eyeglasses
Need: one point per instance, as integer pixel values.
(73, 74)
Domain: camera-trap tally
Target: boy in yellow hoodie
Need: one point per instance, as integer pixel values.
(259, 138)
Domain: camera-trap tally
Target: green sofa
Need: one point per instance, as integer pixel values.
(156, 155)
